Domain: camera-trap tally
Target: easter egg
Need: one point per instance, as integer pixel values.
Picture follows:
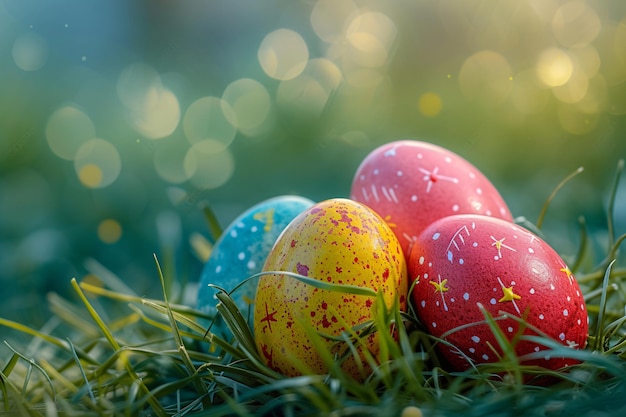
(463, 263)
(411, 183)
(241, 251)
(337, 241)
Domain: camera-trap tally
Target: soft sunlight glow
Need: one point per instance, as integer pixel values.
(68, 128)
(486, 76)
(109, 231)
(250, 102)
(210, 118)
(554, 67)
(208, 164)
(283, 54)
(97, 163)
(30, 51)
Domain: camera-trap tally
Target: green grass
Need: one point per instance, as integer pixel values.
(111, 352)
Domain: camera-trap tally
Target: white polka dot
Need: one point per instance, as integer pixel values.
(461, 261)
(218, 269)
(420, 156)
(547, 357)
(562, 336)
(569, 298)
(425, 275)
(241, 256)
(577, 293)
(510, 329)
(421, 260)
(578, 322)
(541, 317)
(254, 229)
(475, 339)
(376, 172)
(552, 287)
(430, 264)
(437, 303)
(434, 324)
(423, 303)
(452, 300)
(251, 264)
(493, 301)
(488, 212)
(475, 244)
(582, 307)
(448, 159)
(233, 233)
(479, 191)
(399, 173)
(537, 349)
(414, 198)
(472, 350)
(495, 258)
(502, 211)
(455, 207)
(436, 236)
(513, 283)
(472, 175)
(362, 177)
(485, 357)
(532, 291)
(466, 296)
(531, 250)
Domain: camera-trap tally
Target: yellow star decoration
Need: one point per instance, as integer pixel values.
(440, 286)
(508, 295)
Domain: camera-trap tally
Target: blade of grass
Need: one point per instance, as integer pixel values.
(214, 226)
(323, 285)
(156, 406)
(191, 369)
(544, 209)
(611, 205)
(599, 333)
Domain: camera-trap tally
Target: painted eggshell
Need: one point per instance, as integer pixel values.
(241, 251)
(463, 261)
(410, 184)
(337, 241)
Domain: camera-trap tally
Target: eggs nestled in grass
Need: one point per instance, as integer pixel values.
(336, 241)
(467, 264)
(411, 183)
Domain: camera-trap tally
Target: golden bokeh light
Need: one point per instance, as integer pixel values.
(309, 93)
(576, 24)
(283, 54)
(210, 118)
(109, 231)
(430, 104)
(97, 163)
(168, 161)
(486, 76)
(136, 84)
(159, 115)
(251, 103)
(574, 89)
(30, 51)
(371, 37)
(208, 164)
(66, 129)
(329, 17)
(554, 67)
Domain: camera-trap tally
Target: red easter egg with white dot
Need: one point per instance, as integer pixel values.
(464, 261)
(411, 183)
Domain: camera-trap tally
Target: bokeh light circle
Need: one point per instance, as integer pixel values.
(430, 104)
(250, 101)
(283, 54)
(554, 67)
(486, 76)
(168, 161)
(97, 163)
(109, 231)
(371, 36)
(208, 164)
(210, 118)
(30, 51)
(67, 129)
(135, 84)
(575, 24)
(159, 115)
(329, 17)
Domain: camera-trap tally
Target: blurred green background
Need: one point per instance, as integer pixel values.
(119, 120)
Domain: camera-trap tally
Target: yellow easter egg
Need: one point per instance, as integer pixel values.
(337, 241)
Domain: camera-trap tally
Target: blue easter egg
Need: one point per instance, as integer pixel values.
(240, 252)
